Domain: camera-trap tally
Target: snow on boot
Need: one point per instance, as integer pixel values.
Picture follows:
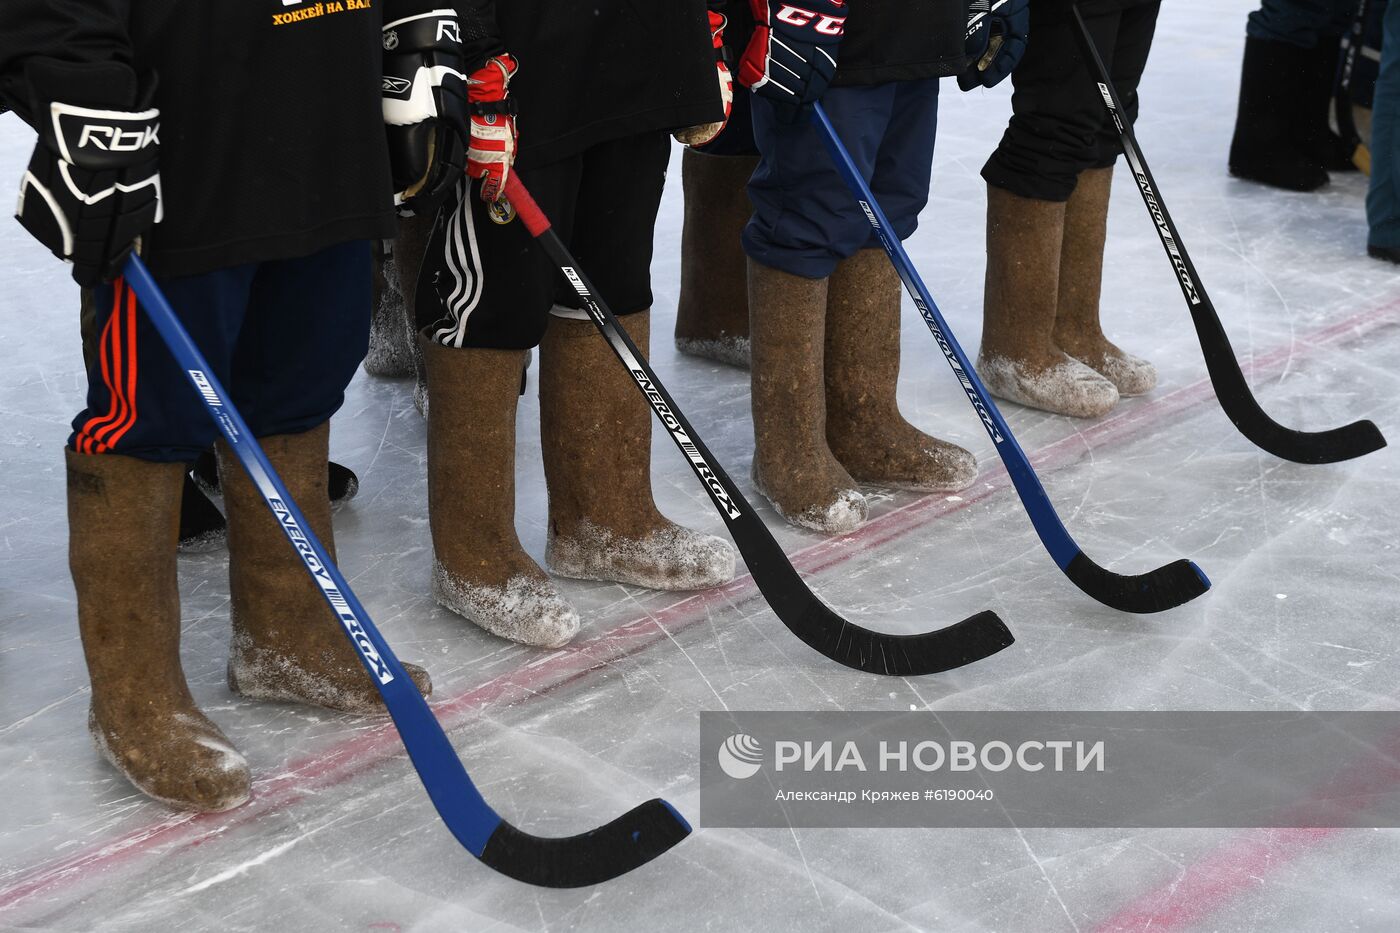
(391, 340)
(1274, 142)
(480, 571)
(712, 316)
(123, 522)
(409, 250)
(1077, 328)
(864, 427)
(793, 464)
(595, 429)
(202, 525)
(1019, 360)
(287, 643)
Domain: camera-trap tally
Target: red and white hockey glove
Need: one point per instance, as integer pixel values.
(425, 107)
(493, 134)
(792, 56)
(706, 132)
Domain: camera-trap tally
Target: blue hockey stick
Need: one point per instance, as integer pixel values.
(1164, 588)
(628, 842)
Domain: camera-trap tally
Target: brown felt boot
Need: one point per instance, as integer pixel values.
(864, 428)
(123, 526)
(409, 250)
(595, 429)
(1020, 360)
(1077, 329)
(391, 337)
(287, 644)
(793, 465)
(480, 571)
(712, 317)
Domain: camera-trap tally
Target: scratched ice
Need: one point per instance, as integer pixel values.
(340, 835)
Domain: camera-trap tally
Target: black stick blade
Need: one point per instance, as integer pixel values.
(1314, 447)
(1232, 390)
(628, 842)
(970, 640)
(1156, 591)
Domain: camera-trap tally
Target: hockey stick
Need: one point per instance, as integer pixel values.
(794, 603)
(1164, 588)
(1343, 110)
(628, 842)
(1343, 443)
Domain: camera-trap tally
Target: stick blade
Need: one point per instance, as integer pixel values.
(1315, 447)
(602, 854)
(1158, 590)
(974, 638)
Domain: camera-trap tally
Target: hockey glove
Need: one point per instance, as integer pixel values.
(706, 132)
(792, 56)
(93, 186)
(493, 138)
(425, 107)
(996, 40)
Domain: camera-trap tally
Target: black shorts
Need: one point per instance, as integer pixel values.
(486, 283)
(1059, 126)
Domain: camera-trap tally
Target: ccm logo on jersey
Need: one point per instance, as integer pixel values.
(115, 139)
(825, 24)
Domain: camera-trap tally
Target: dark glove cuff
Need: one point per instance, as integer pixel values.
(85, 84)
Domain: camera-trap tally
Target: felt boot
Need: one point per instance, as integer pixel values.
(595, 428)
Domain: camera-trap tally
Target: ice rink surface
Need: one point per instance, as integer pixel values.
(340, 836)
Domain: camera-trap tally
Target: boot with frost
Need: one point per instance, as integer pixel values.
(480, 571)
(1019, 360)
(712, 316)
(123, 522)
(287, 643)
(793, 464)
(595, 429)
(1077, 328)
(864, 427)
(392, 346)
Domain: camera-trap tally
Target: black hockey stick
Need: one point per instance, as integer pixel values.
(794, 603)
(1164, 588)
(1343, 443)
(1341, 96)
(628, 842)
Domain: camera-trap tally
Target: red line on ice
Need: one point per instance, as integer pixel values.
(370, 748)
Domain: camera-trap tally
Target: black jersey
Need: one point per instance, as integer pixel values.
(885, 40)
(902, 40)
(272, 138)
(595, 71)
(1047, 11)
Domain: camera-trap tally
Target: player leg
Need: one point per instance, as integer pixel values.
(304, 336)
(1051, 138)
(1284, 92)
(805, 224)
(595, 426)
(126, 460)
(1077, 327)
(864, 427)
(712, 314)
(485, 293)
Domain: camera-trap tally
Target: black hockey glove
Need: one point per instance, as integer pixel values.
(996, 40)
(792, 55)
(425, 107)
(93, 186)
